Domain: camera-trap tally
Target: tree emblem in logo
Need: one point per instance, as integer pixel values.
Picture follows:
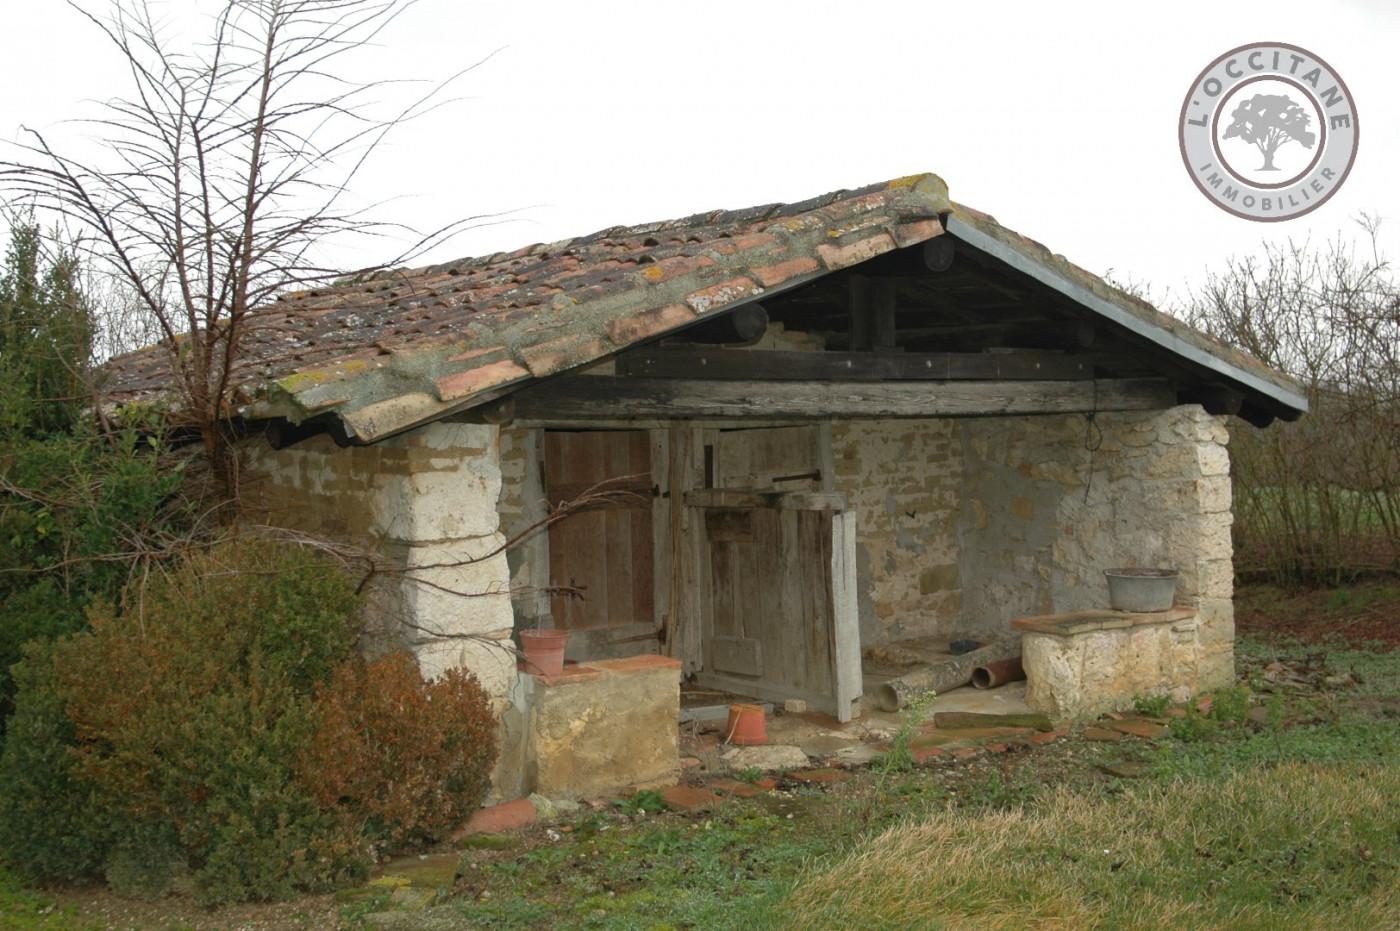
(1275, 103)
(1267, 121)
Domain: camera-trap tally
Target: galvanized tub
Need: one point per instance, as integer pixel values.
(1141, 590)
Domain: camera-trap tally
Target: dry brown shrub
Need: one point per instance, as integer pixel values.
(401, 760)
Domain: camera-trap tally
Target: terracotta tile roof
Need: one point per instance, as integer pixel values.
(403, 347)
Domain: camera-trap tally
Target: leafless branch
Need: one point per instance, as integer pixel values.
(225, 171)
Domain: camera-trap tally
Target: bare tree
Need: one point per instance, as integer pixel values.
(222, 173)
(1319, 499)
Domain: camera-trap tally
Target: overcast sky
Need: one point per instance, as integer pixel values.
(1059, 119)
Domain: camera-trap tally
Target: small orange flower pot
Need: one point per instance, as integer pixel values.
(544, 651)
(748, 727)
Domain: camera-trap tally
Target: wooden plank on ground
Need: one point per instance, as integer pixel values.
(953, 720)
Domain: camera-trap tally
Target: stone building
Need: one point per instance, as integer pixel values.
(869, 417)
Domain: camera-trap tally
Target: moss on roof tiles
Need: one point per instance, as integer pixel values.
(400, 345)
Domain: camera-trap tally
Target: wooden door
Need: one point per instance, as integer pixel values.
(600, 558)
(781, 618)
(773, 458)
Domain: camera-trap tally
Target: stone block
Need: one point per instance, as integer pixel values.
(770, 758)
(1213, 460)
(1217, 618)
(1215, 579)
(457, 588)
(939, 579)
(595, 737)
(1078, 676)
(490, 659)
(1216, 669)
(1214, 494)
(455, 500)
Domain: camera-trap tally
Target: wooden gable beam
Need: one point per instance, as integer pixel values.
(598, 397)
(783, 365)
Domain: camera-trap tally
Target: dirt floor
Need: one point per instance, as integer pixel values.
(1362, 613)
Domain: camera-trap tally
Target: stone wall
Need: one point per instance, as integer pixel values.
(902, 479)
(426, 501)
(521, 505)
(1051, 502)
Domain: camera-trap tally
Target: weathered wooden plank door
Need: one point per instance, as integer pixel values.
(601, 557)
(781, 617)
(773, 458)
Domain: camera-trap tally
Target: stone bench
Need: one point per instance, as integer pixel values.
(1083, 664)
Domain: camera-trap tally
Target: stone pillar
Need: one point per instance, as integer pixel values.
(426, 499)
(437, 501)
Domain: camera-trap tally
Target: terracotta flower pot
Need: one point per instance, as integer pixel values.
(747, 726)
(544, 651)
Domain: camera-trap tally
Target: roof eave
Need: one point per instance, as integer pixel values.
(1190, 350)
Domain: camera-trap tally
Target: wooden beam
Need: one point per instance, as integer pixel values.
(1214, 398)
(858, 305)
(932, 256)
(784, 365)
(781, 500)
(744, 324)
(1072, 335)
(586, 398)
(882, 313)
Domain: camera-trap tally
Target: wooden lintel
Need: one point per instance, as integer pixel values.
(784, 365)
(586, 398)
(1071, 335)
(781, 500)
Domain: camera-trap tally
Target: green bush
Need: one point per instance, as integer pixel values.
(174, 738)
(51, 823)
(75, 498)
(86, 500)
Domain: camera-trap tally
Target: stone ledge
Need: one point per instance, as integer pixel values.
(592, 670)
(639, 663)
(1079, 622)
(572, 673)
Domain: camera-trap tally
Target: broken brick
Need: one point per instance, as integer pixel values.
(686, 798)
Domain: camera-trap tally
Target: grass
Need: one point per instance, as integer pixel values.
(1291, 824)
(1240, 820)
(729, 870)
(1235, 824)
(1293, 846)
(27, 910)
